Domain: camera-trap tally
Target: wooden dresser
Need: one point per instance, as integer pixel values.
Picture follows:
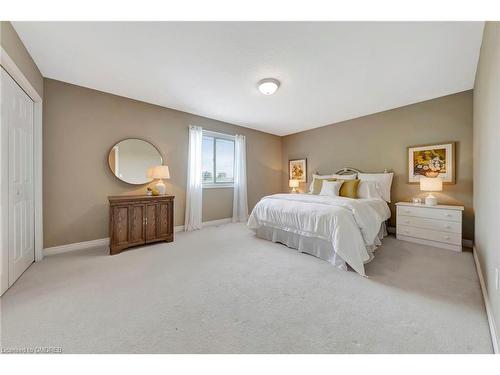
(140, 219)
(439, 226)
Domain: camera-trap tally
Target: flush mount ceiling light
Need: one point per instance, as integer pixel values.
(268, 86)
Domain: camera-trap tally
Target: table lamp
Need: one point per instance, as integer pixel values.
(160, 172)
(294, 184)
(431, 184)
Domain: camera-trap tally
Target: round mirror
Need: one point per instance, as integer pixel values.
(131, 159)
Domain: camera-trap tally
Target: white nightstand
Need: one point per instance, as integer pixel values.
(439, 226)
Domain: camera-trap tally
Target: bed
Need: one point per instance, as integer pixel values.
(342, 231)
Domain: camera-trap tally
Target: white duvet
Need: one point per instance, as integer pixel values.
(350, 225)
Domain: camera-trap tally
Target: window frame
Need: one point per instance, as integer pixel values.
(214, 184)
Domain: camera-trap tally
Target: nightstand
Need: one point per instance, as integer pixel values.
(439, 226)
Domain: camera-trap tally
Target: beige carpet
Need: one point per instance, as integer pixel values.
(221, 290)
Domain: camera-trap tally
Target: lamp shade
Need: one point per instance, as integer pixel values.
(431, 183)
(161, 171)
(293, 183)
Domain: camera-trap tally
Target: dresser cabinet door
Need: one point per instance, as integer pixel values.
(165, 220)
(137, 224)
(151, 222)
(119, 226)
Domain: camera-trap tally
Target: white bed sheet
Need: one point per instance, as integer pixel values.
(351, 226)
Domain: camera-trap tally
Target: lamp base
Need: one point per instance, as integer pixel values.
(431, 200)
(161, 187)
(294, 190)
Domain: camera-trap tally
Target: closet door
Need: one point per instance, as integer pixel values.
(17, 117)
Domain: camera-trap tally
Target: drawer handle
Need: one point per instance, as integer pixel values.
(407, 211)
(447, 238)
(447, 226)
(447, 215)
(407, 221)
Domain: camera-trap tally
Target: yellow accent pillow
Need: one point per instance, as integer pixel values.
(349, 189)
(318, 183)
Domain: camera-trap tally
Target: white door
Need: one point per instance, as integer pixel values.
(17, 123)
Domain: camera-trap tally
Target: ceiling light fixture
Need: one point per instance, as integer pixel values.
(268, 86)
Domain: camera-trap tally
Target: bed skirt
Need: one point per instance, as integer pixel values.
(314, 246)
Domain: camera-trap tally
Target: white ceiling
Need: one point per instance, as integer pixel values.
(329, 71)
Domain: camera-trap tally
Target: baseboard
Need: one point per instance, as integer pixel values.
(210, 223)
(213, 223)
(489, 312)
(105, 241)
(75, 246)
(3, 288)
(465, 242)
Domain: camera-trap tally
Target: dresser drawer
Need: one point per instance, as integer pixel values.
(432, 235)
(431, 213)
(432, 224)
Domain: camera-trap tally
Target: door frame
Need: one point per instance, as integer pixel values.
(10, 66)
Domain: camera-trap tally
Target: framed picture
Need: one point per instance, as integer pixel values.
(297, 170)
(432, 161)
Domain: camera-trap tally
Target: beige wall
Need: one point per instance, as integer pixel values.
(80, 127)
(486, 170)
(15, 49)
(379, 141)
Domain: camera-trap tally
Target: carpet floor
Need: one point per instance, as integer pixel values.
(221, 290)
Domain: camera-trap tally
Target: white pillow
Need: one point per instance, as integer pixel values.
(344, 176)
(324, 176)
(330, 188)
(384, 181)
(369, 189)
(318, 177)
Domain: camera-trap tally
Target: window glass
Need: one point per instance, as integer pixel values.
(224, 161)
(217, 160)
(207, 163)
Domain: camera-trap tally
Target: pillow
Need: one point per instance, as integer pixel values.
(330, 188)
(344, 176)
(318, 183)
(369, 189)
(349, 189)
(331, 177)
(319, 177)
(384, 181)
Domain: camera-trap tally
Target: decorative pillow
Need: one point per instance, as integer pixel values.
(349, 189)
(384, 181)
(318, 177)
(331, 177)
(369, 189)
(318, 183)
(330, 188)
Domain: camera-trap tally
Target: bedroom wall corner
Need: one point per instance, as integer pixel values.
(486, 173)
(81, 125)
(375, 142)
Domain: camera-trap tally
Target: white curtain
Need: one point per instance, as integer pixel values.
(240, 205)
(194, 192)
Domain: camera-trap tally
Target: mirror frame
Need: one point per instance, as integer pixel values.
(126, 139)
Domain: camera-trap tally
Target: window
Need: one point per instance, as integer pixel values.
(217, 160)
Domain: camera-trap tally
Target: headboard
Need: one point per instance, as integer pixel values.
(349, 170)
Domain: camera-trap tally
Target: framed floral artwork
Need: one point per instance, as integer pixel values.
(297, 170)
(432, 161)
